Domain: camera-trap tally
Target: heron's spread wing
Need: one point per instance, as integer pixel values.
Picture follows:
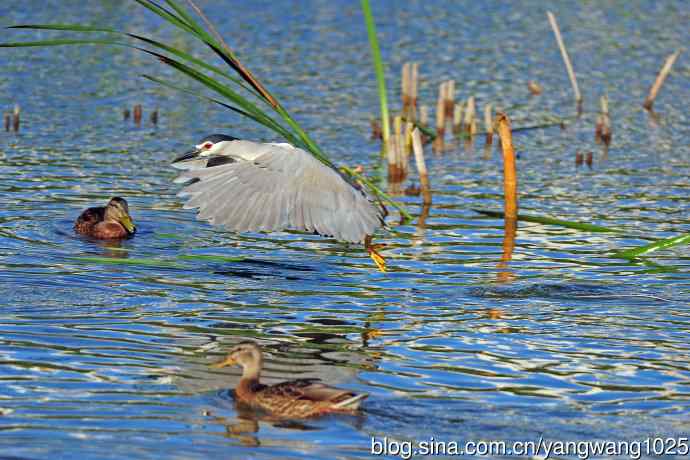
(276, 187)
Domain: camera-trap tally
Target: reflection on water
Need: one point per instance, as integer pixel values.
(480, 330)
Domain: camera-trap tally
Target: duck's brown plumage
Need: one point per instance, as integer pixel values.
(300, 398)
(106, 222)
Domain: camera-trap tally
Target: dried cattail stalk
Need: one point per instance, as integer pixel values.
(663, 73)
(605, 132)
(154, 117)
(450, 99)
(488, 124)
(405, 88)
(409, 126)
(414, 87)
(137, 114)
(439, 142)
(421, 166)
(579, 159)
(457, 118)
(376, 132)
(424, 115)
(125, 114)
(534, 87)
(8, 121)
(15, 117)
(509, 169)
(566, 58)
(470, 122)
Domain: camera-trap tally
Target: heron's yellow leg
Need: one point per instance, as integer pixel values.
(372, 249)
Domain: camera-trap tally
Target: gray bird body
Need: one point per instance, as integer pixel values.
(250, 187)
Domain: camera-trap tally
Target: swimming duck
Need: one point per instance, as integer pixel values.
(106, 222)
(300, 398)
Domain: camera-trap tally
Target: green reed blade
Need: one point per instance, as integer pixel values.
(551, 221)
(378, 69)
(661, 244)
(128, 261)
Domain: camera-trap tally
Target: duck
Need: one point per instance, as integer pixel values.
(300, 398)
(106, 222)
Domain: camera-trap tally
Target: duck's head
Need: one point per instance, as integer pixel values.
(117, 210)
(213, 144)
(245, 354)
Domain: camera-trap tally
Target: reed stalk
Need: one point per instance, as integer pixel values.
(405, 89)
(245, 95)
(421, 166)
(16, 114)
(488, 124)
(457, 118)
(8, 121)
(414, 91)
(439, 141)
(470, 121)
(378, 68)
(663, 73)
(566, 59)
(138, 112)
(509, 169)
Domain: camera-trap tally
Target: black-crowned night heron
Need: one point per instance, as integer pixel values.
(255, 187)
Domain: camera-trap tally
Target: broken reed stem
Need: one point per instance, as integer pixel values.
(457, 118)
(8, 120)
(421, 166)
(663, 73)
(424, 115)
(414, 88)
(137, 114)
(440, 119)
(409, 126)
(579, 159)
(509, 172)
(488, 124)
(450, 99)
(15, 118)
(566, 58)
(606, 121)
(405, 88)
(396, 156)
(470, 122)
(125, 114)
(154, 117)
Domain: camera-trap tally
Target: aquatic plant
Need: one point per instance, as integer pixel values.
(380, 75)
(243, 92)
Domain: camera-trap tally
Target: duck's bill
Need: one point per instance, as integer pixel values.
(126, 222)
(224, 363)
(187, 156)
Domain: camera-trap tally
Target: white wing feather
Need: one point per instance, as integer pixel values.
(273, 187)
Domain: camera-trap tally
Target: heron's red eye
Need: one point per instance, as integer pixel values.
(208, 145)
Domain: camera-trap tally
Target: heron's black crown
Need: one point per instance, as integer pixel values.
(215, 138)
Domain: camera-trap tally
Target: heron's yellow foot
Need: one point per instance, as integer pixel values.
(372, 249)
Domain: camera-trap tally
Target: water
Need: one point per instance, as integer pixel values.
(104, 349)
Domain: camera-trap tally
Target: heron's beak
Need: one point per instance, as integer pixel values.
(225, 363)
(192, 154)
(126, 222)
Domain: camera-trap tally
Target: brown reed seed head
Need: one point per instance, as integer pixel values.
(589, 158)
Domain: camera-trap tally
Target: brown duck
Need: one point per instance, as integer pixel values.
(301, 398)
(106, 222)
